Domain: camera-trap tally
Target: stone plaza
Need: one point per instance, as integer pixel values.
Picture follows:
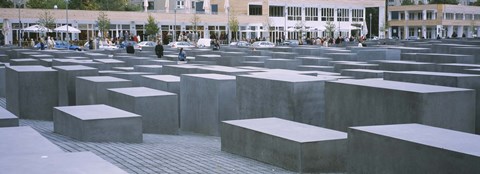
(391, 107)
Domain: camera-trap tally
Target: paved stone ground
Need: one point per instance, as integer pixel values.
(185, 153)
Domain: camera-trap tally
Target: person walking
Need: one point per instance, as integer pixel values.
(159, 49)
(130, 49)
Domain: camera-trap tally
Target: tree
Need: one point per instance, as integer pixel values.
(299, 26)
(151, 28)
(6, 4)
(407, 2)
(267, 26)
(46, 4)
(330, 28)
(477, 3)
(103, 23)
(195, 21)
(46, 19)
(233, 24)
(443, 2)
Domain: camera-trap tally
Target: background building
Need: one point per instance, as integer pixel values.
(432, 20)
(269, 19)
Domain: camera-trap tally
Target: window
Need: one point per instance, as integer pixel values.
(459, 16)
(311, 14)
(429, 15)
(255, 10)
(449, 16)
(420, 16)
(294, 13)
(477, 17)
(357, 15)
(151, 5)
(327, 14)
(276, 11)
(468, 17)
(343, 15)
(411, 16)
(180, 4)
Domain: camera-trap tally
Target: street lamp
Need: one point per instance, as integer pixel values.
(19, 24)
(68, 36)
(285, 27)
(370, 25)
(175, 26)
(228, 25)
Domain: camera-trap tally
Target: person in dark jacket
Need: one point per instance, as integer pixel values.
(182, 55)
(159, 49)
(130, 49)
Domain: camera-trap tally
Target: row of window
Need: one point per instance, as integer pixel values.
(433, 15)
(460, 16)
(311, 13)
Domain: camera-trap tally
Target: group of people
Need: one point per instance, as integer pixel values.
(45, 43)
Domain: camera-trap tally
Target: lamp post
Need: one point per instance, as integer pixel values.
(175, 25)
(285, 27)
(370, 25)
(19, 24)
(228, 25)
(68, 36)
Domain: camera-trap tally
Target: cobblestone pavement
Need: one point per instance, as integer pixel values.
(184, 153)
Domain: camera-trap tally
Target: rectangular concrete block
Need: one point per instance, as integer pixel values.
(72, 163)
(97, 123)
(205, 101)
(231, 58)
(132, 76)
(284, 55)
(7, 119)
(178, 70)
(310, 60)
(18, 141)
(208, 57)
(167, 83)
(291, 64)
(467, 81)
(293, 97)
(2, 81)
(66, 82)
(108, 64)
(154, 69)
(293, 146)
(363, 73)
(159, 109)
(93, 90)
(24, 61)
(339, 67)
(456, 67)
(372, 102)
(438, 58)
(32, 91)
(411, 148)
(405, 66)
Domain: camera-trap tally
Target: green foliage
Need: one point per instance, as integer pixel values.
(477, 3)
(104, 5)
(151, 28)
(103, 23)
(233, 23)
(195, 21)
(6, 4)
(46, 19)
(421, 3)
(455, 2)
(407, 2)
(329, 28)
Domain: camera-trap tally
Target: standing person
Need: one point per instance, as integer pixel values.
(182, 55)
(42, 44)
(90, 44)
(159, 49)
(32, 43)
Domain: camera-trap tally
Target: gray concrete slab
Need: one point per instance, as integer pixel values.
(310, 60)
(467, 81)
(372, 102)
(19, 141)
(7, 119)
(159, 109)
(405, 66)
(291, 64)
(2, 81)
(31, 91)
(207, 57)
(66, 82)
(24, 61)
(93, 90)
(287, 144)
(97, 123)
(205, 101)
(293, 97)
(456, 67)
(132, 76)
(338, 67)
(72, 163)
(231, 58)
(108, 64)
(363, 73)
(378, 54)
(154, 69)
(411, 148)
(438, 58)
(315, 68)
(162, 62)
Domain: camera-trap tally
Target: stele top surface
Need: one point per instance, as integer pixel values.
(103, 79)
(166, 78)
(31, 69)
(140, 92)
(401, 86)
(95, 112)
(430, 136)
(289, 130)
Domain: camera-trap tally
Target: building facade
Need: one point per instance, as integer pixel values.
(269, 19)
(433, 20)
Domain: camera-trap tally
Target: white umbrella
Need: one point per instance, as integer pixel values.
(167, 5)
(206, 6)
(145, 4)
(63, 29)
(36, 29)
(364, 28)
